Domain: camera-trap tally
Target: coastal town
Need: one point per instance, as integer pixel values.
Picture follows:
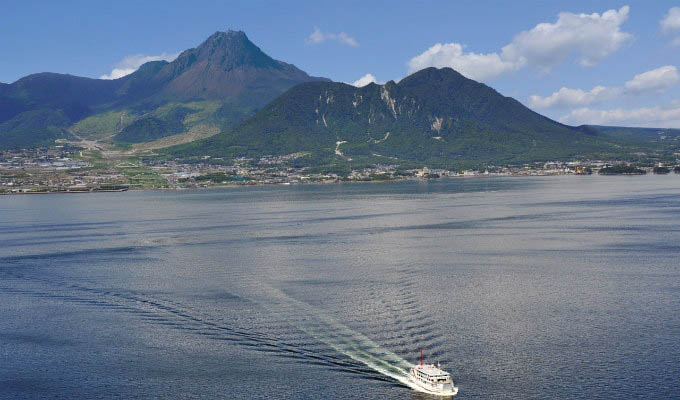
(71, 169)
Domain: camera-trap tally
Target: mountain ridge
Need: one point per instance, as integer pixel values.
(227, 67)
(434, 116)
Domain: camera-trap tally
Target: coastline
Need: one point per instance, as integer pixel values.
(327, 182)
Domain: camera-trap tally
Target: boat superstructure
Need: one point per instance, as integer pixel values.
(432, 379)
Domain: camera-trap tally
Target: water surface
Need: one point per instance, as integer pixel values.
(521, 287)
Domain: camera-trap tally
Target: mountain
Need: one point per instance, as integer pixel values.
(434, 116)
(37, 109)
(228, 66)
(71, 94)
(227, 75)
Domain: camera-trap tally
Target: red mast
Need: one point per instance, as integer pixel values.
(422, 360)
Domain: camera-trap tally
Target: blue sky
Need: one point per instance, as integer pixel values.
(578, 62)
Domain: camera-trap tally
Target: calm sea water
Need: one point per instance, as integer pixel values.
(565, 287)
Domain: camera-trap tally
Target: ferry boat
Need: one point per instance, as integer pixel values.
(432, 379)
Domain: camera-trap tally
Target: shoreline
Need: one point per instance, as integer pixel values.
(261, 184)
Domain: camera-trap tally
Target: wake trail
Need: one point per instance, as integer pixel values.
(298, 314)
(336, 335)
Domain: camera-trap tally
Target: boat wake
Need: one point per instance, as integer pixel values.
(312, 322)
(339, 337)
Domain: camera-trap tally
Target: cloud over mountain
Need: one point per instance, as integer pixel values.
(131, 63)
(480, 67)
(653, 81)
(364, 80)
(649, 117)
(656, 80)
(589, 38)
(568, 98)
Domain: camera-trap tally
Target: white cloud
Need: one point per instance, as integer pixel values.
(118, 73)
(568, 98)
(481, 67)
(131, 63)
(317, 37)
(590, 37)
(671, 21)
(364, 80)
(656, 80)
(649, 117)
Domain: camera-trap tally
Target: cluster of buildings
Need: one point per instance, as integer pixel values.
(52, 170)
(245, 171)
(62, 169)
(241, 172)
(52, 159)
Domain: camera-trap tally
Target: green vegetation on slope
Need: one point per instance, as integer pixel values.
(151, 127)
(33, 128)
(102, 125)
(177, 118)
(434, 117)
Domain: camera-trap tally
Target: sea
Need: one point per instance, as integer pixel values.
(521, 288)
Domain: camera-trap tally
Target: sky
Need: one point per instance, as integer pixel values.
(603, 62)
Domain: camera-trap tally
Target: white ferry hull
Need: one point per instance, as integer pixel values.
(445, 391)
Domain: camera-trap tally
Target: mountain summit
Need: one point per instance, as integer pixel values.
(228, 66)
(230, 50)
